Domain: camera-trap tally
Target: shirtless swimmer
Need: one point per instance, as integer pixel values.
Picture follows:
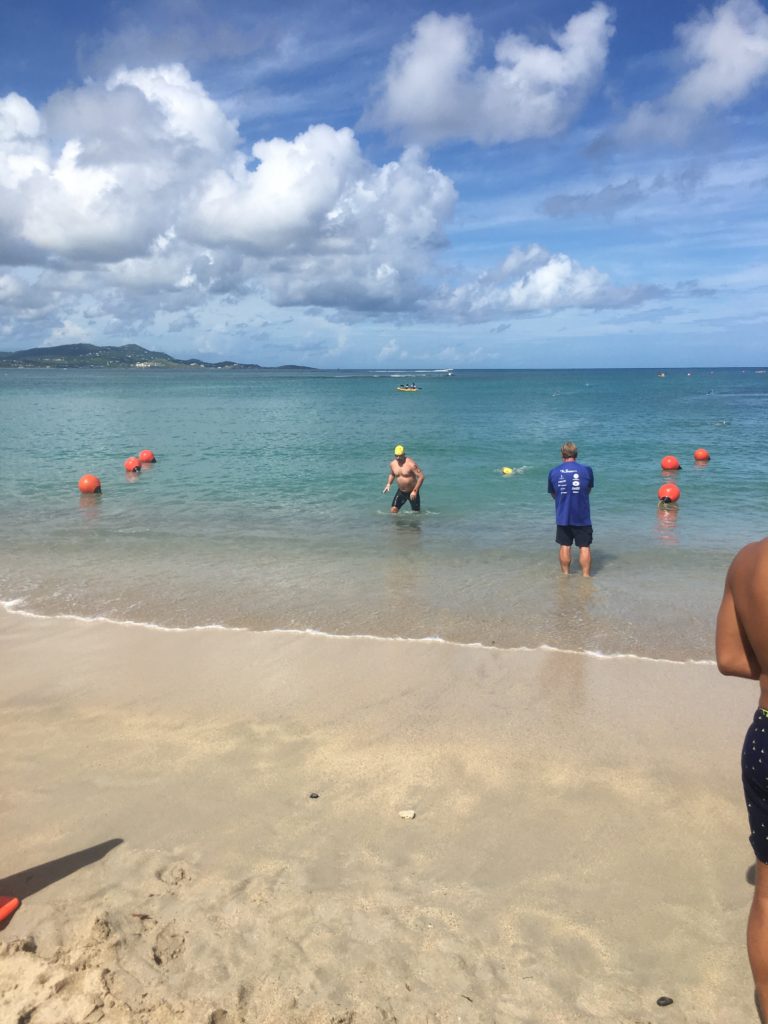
(741, 646)
(409, 478)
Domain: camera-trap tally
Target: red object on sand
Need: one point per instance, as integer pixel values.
(7, 906)
(669, 492)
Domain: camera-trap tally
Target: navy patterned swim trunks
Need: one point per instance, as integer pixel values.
(754, 776)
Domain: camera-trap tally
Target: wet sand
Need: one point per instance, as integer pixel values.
(578, 846)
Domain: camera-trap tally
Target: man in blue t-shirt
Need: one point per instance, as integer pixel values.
(570, 484)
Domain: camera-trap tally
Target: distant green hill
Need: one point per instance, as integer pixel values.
(115, 357)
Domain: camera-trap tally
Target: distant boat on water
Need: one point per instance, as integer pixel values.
(407, 387)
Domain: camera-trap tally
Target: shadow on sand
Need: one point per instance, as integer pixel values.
(32, 880)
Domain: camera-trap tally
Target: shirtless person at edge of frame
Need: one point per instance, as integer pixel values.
(409, 479)
(741, 646)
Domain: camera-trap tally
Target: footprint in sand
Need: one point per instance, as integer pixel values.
(175, 874)
(168, 946)
(145, 921)
(101, 930)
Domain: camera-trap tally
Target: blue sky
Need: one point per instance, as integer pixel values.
(536, 183)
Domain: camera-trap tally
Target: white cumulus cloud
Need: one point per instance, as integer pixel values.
(287, 198)
(435, 91)
(134, 201)
(21, 151)
(725, 53)
(188, 110)
(535, 280)
(143, 180)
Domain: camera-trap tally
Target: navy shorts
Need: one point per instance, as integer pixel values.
(402, 496)
(754, 776)
(581, 536)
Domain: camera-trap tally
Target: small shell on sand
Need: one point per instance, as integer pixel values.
(407, 814)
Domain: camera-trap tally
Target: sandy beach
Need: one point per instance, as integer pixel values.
(578, 846)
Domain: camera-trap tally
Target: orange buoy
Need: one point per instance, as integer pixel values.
(147, 456)
(669, 492)
(701, 455)
(670, 462)
(89, 484)
(7, 906)
(132, 465)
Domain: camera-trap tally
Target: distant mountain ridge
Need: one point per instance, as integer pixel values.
(115, 357)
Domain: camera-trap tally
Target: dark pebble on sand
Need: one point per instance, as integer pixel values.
(313, 796)
(664, 1001)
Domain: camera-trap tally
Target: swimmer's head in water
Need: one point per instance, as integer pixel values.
(399, 450)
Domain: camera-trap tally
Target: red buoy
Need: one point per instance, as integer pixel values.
(132, 465)
(670, 462)
(89, 484)
(147, 456)
(669, 492)
(701, 455)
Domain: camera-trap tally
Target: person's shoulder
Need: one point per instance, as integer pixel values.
(754, 552)
(755, 547)
(748, 561)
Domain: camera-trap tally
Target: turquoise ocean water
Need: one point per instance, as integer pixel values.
(265, 508)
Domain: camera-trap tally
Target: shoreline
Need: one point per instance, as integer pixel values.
(8, 607)
(578, 846)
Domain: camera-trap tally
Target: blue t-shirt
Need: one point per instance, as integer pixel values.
(571, 483)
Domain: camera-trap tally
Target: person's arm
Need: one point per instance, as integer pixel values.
(390, 478)
(733, 650)
(419, 480)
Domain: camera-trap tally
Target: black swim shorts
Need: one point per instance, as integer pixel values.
(754, 776)
(402, 496)
(581, 536)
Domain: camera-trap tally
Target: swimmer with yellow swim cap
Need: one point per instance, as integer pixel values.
(409, 478)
